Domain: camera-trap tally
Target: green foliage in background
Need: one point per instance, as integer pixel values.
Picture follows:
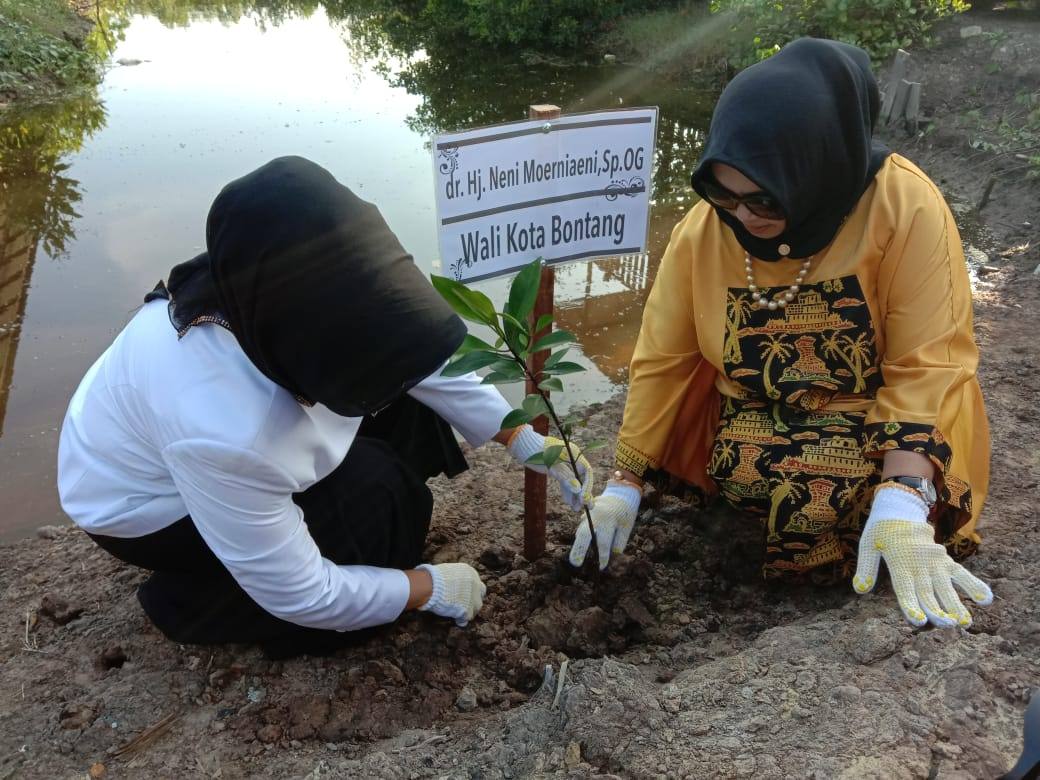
(44, 45)
(879, 26)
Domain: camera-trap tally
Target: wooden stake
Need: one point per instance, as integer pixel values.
(913, 107)
(899, 104)
(899, 68)
(534, 483)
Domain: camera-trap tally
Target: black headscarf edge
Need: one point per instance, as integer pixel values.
(299, 268)
(756, 130)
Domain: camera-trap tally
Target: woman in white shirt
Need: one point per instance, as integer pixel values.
(260, 434)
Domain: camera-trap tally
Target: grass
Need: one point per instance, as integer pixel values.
(42, 48)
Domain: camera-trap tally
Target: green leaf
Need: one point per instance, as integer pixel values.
(509, 319)
(543, 322)
(524, 290)
(534, 405)
(469, 304)
(564, 367)
(594, 445)
(471, 361)
(471, 343)
(552, 454)
(496, 378)
(508, 367)
(555, 357)
(516, 333)
(538, 459)
(553, 339)
(550, 384)
(515, 418)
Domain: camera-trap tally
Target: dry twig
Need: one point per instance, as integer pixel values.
(29, 642)
(146, 737)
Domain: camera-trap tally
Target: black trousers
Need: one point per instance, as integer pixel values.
(373, 509)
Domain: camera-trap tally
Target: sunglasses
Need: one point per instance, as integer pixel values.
(758, 203)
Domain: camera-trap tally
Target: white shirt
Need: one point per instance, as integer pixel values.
(161, 428)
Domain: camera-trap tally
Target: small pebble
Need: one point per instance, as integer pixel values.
(572, 757)
(467, 700)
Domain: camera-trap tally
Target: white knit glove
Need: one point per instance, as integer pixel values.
(457, 591)
(922, 572)
(528, 442)
(613, 516)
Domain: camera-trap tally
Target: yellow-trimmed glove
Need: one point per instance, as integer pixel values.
(576, 490)
(457, 591)
(923, 574)
(613, 515)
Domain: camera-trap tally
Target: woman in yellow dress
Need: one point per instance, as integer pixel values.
(807, 349)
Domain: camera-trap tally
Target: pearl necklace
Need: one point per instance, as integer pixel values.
(780, 299)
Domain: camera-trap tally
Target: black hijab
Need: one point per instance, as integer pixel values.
(799, 125)
(318, 291)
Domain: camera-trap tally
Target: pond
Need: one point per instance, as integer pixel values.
(105, 190)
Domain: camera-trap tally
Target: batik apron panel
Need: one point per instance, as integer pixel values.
(779, 454)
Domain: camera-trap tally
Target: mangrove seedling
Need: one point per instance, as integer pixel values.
(509, 359)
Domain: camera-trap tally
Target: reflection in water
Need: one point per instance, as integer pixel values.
(17, 254)
(37, 205)
(181, 13)
(607, 323)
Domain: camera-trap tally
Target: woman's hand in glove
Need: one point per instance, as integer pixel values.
(457, 591)
(923, 574)
(613, 515)
(576, 490)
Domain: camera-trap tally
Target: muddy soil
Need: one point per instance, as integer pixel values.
(681, 662)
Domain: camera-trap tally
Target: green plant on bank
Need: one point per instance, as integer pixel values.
(1015, 132)
(44, 45)
(509, 358)
(879, 26)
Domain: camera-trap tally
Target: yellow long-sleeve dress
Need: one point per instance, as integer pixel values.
(788, 413)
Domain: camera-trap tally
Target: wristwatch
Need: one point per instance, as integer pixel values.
(922, 485)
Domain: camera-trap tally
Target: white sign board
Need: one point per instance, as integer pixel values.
(562, 189)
